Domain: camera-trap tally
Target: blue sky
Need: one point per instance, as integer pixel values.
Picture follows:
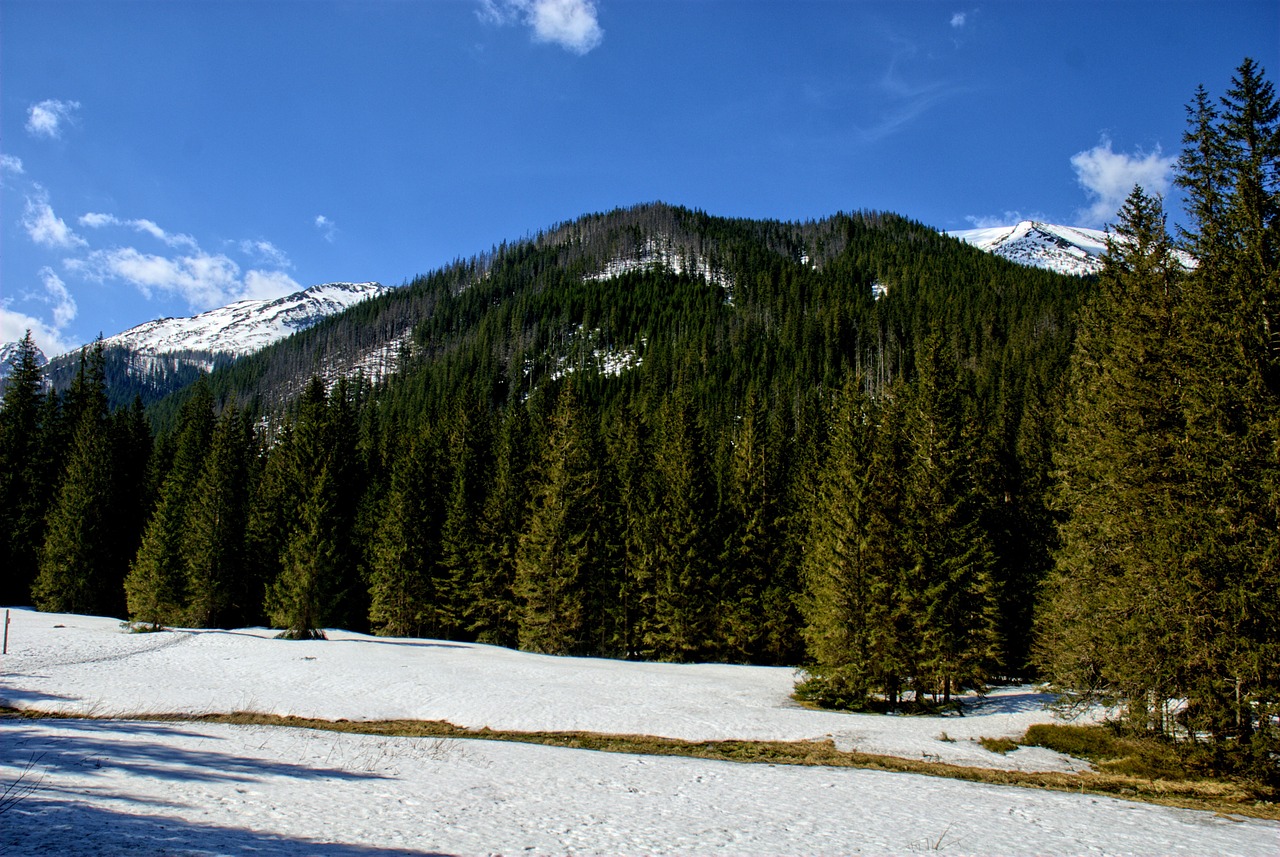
(161, 158)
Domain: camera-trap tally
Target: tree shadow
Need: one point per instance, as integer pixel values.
(1010, 703)
(89, 747)
(40, 825)
(20, 697)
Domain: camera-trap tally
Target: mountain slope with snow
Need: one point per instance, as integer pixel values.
(245, 326)
(1072, 250)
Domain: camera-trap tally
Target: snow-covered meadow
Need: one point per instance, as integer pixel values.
(138, 787)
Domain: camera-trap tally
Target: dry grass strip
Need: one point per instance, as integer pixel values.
(1225, 797)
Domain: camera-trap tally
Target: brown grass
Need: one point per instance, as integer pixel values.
(1225, 797)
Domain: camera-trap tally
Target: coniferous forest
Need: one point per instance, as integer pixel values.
(853, 445)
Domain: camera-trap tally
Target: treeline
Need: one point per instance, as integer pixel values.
(754, 460)
(629, 466)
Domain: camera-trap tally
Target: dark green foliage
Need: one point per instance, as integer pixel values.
(634, 464)
(1167, 592)
(26, 473)
(75, 560)
(157, 584)
(560, 562)
(403, 577)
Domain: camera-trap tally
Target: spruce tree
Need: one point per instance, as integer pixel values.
(73, 567)
(156, 586)
(1230, 346)
(406, 547)
(1107, 624)
(683, 531)
(558, 561)
(302, 599)
(952, 573)
(214, 534)
(24, 494)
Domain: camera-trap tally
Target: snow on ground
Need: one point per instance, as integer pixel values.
(116, 787)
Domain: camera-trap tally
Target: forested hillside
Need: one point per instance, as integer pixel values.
(851, 444)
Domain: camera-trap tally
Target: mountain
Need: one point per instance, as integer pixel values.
(655, 292)
(244, 326)
(160, 356)
(1072, 250)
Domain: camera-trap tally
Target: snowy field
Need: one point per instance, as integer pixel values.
(132, 787)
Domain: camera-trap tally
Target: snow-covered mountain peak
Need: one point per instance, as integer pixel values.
(245, 326)
(1065, 249)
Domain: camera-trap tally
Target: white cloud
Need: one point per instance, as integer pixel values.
(1108, 177)
(571, 24)
(327, 227)
(46, 228)
(97, 220)
(1006, 218)
(49, 338)
(957, 20)
(268, 285)
(47, 118)
(266, 253)
(64, 305)
(10, 164)
(205, 281)
(14, 325)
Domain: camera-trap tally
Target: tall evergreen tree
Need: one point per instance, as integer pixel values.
(402, 574)
(73, 561)
(558, 562)
(24, 474)
(685, 609)
(952, 573)
(214, 534)
(1105, 624)
(156, 585)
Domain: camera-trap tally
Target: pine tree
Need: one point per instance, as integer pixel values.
(683, 530)
(1106, 625)
(953, 563)
(558, 562)
(302, 599)
(24, 496)
(73, 572)
(156, 586)
(214, 533)
(406, 546)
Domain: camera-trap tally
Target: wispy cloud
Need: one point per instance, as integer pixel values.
(901, 101)
(10, 164)
(49, 337)
(327, 228)
(571, 24)
(266, 253)
(1108, 177)
(958, 19)
(204, 280)
(47, 118)
(46, 228)
(55, 293)
(97, 220)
